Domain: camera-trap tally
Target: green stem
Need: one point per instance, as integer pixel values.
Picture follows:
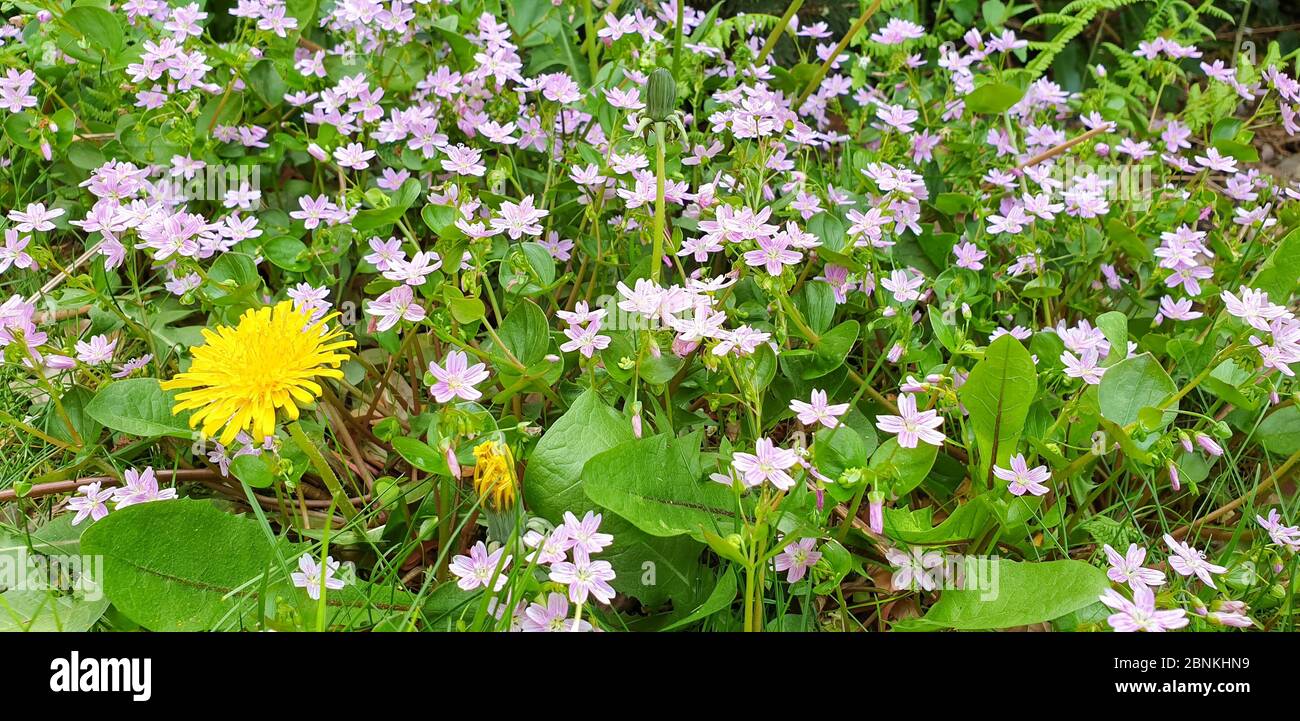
(323, 469)
(657, 242)
(778, 31)
(677, 39)
(844, 43)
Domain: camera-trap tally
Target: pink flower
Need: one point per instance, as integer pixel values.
(396, 305)
(458, 379)
(1285, 536)
(91, 502)
(554, 616)
(818, 410)
(1085, 367)
(519, 219)
(903, 284)
(309, 575)
(912, 426)
(796, 558)
(141, 488)
(772, 254)
(767, 463)
(585, 577)
(1128, 568)
(585, 340)
(916, 570)
(1187, 561)
(14, 252)
(479, 568)
(969, 256)
(99, 349)
(584, 535)
(1022, 478)
(1140, 614)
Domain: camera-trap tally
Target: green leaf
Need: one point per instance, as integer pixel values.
(186, 565)
(232, 279)
(906, 467)
(836, 450)
(650, 482)
(1019, 594)
(649, 568)
(95, 28)
(41, 602)
(1131, 385)
(993, 98)
(421, 455)
(525, 334)
(1280, 431)
(1279, 276)
(176, 565)
(255, 470)
(1114, 325)
(288, 253)
(998, 394)
(723, 595)
(827, 354)
(967, 521)
(139, 407)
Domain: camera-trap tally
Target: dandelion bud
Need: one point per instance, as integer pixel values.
(494, 475)
(660, 95)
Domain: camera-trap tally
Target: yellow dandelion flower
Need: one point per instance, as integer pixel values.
(241, 375)
(494, 474)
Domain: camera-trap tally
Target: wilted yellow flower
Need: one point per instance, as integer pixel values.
(494, 474)
(241, 375)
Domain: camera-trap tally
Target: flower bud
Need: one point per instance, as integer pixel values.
(660, 95)
(876, 512)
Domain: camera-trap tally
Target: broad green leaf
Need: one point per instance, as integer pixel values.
(1280, 431)
(1018, 594)
(255, 470)
(421, 455)
(993, 98)
(51, 585)
(906, 467)
(968, 520)
(650, 482)
(139, 407)
(1114, 325)
(525, 334)
(649, 568)
(998, 394)
(1133, 384)
(176, 565)
(723, 594)
(187, 565)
